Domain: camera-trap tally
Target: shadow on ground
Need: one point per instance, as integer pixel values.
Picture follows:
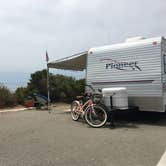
(132, 119)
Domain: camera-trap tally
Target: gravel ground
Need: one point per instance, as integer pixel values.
(37, 138)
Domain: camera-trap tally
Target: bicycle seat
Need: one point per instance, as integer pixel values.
(79, 97)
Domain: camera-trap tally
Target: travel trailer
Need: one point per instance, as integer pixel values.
(138, 64)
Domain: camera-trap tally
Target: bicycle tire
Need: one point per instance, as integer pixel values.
(74, 114)
(96, 113)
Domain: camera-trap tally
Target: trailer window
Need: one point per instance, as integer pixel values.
(164, 63)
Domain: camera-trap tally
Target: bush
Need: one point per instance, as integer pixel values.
(21, 94)
(7, 98)
(38, 83)
(62, 88)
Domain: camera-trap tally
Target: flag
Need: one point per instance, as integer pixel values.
(47, 58)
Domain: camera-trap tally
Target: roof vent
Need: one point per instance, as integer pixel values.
(135, 39)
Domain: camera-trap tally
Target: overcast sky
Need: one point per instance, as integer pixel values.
(65, 27)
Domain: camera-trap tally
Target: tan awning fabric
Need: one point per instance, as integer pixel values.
(75, 62)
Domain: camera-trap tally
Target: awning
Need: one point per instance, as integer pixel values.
(75, 62)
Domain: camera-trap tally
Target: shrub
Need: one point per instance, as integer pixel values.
(38, 83)
(62, 88)
(7, 98)
(21, 94)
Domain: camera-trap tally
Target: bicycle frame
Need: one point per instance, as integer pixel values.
(85, 105)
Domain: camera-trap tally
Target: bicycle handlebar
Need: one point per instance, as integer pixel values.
(90, 86)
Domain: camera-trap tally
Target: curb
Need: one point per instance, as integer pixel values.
(13, 110)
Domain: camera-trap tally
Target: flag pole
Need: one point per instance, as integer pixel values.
(48, 88)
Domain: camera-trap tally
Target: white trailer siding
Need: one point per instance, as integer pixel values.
(163, 44)
(134, 65)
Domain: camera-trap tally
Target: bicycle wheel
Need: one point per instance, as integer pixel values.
(95, 116)
(75, 110)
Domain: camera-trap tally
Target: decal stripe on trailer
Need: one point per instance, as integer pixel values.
(126, 82)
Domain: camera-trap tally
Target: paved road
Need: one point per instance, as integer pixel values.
(36, 138)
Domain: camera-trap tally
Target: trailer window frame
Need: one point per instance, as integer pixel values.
(164, 57)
